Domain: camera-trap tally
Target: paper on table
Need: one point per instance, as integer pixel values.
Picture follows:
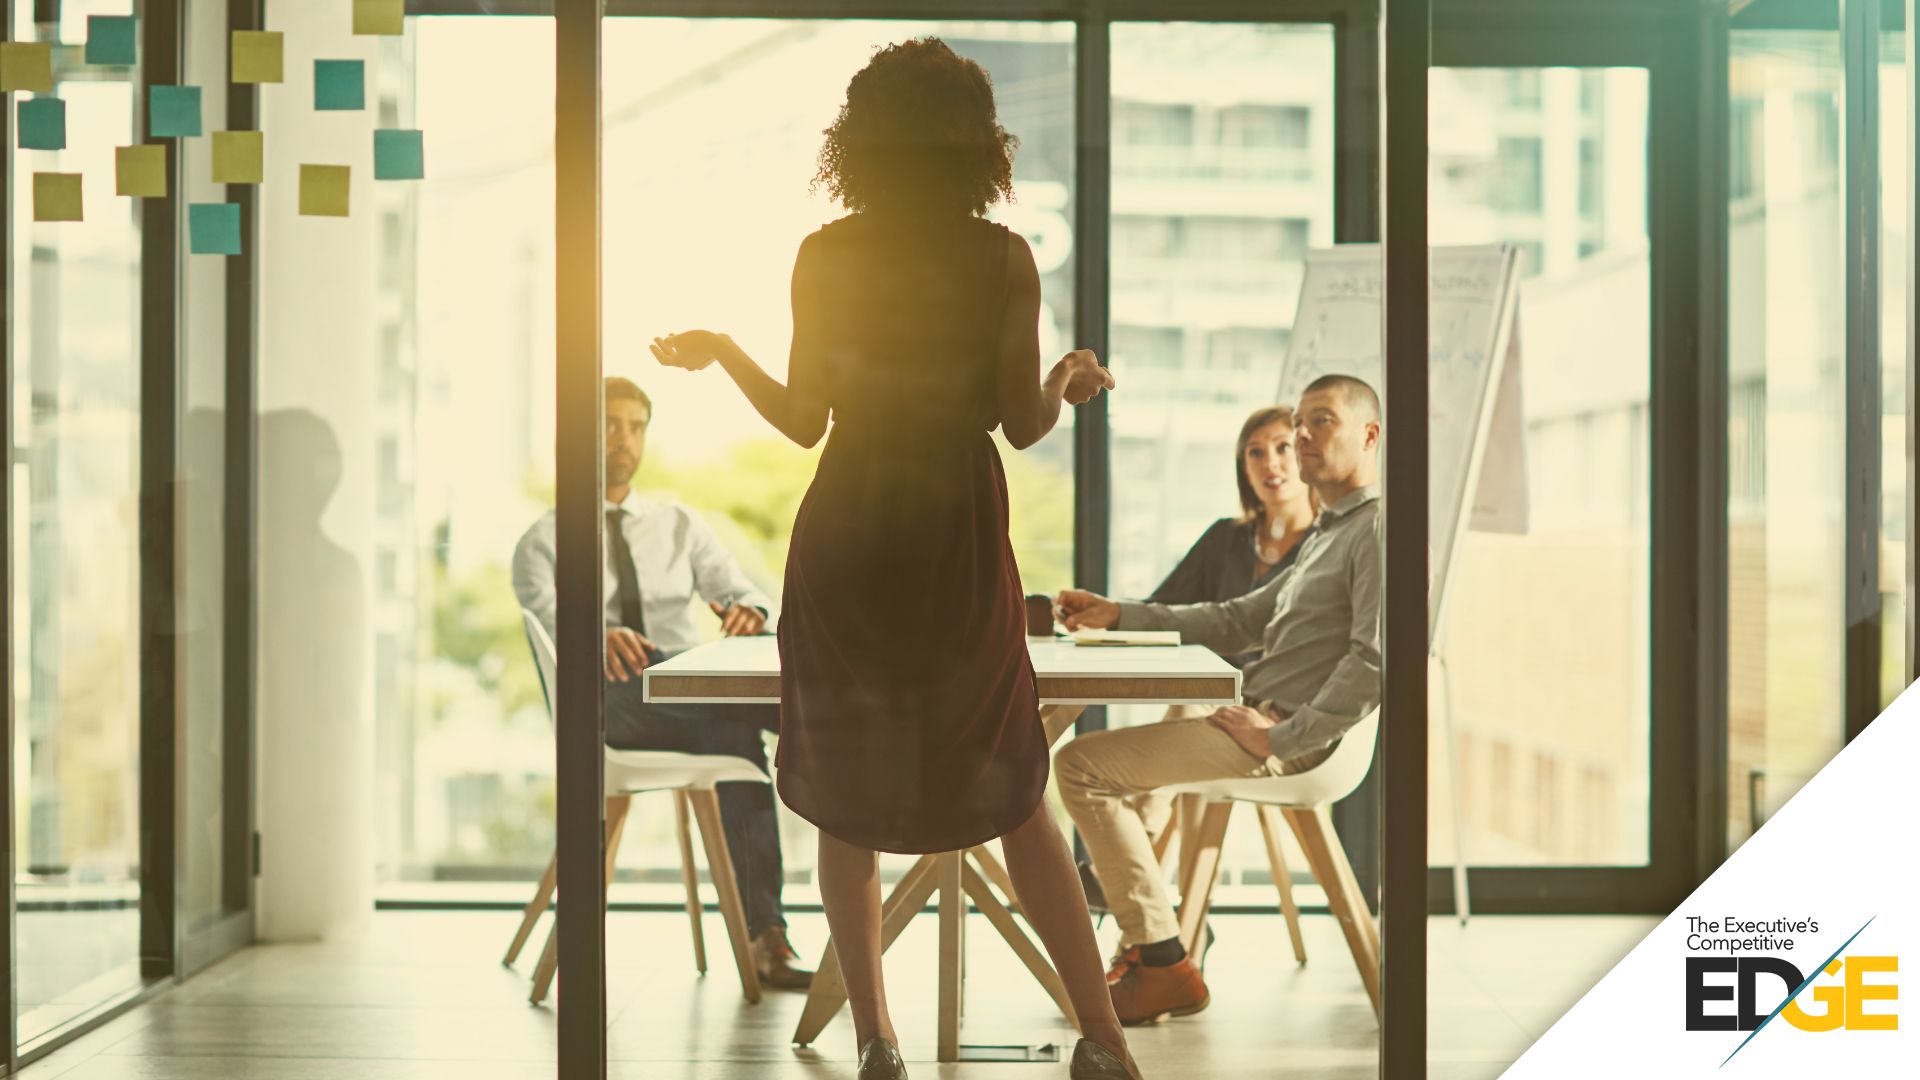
(239, 157)
(1126, 637)
(386, 17)
(140, 171)
(398, 155)
(26, 65)
(56, 196)
(173, 112)
(43, 124)
(213, 228)
(339, 85)
(324, 190)
(110, 40)
(259, 56)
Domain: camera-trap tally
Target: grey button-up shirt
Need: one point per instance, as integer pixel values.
(1316, 624)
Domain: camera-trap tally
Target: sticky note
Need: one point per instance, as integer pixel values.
(239, 157)
(213, 228)
(173, 112)
(110, 39)
(379, 17)
(398, 155)
(26, 65)
(339, 85)
(140, 171)
(323, 190)
(43, 124)
(259, 56)
(56, 196)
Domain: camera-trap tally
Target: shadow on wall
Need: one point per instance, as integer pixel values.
(316, 721)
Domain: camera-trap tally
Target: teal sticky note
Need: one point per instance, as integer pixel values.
(173, 112)
(213, 228)
(398, 155)
(110, 39)
(339, 85)
(43, 123)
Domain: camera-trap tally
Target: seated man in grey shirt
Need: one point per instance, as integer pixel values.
(659, 557)
(1316, 625)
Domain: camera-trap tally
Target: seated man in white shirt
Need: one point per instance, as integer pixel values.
(659, 555)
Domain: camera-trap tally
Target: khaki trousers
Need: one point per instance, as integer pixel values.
(1109, 782)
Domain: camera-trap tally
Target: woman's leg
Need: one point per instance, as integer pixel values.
(849, 880)
(1051, 899)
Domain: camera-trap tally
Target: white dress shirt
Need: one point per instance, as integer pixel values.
(675, 556)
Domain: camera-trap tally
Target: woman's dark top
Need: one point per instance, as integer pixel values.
(1219, 566)
(909, 718)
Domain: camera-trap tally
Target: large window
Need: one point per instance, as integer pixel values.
(1210, 238)
(75, 574)
(1786, 346)
(712, 130)
(1546, 635)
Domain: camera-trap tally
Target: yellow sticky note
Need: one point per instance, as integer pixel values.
(26, 65)
(379, 17)
(140, 171)
(239, 157)
(56, 196)
(323, 190)
(259, 56)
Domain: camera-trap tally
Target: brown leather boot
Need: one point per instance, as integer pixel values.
(1123, 960)
(774, 960)
(1146, 994)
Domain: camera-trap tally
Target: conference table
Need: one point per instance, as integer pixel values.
(1070, 679)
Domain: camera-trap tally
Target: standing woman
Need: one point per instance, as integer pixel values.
(909, 719)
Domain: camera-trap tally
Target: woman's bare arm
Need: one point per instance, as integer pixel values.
(796, 408)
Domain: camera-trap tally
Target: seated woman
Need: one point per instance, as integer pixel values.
(1232, 558)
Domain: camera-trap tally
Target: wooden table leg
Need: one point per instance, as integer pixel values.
(829, 990)
(953, 908)
(990, 868)
(1017, 939)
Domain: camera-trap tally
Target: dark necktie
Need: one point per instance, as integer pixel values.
(627, 588)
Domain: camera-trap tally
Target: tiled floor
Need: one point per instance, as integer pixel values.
(421, 996)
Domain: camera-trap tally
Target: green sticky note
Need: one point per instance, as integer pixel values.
(323, 190)
(56, 196)
(110, 40)
(259, 56)
(339, 85)
(379, 17)
(173, 112)
(140, 171)
(26, 65)
(398, 155)
(213, 228)
(239, 157)
(43, 124)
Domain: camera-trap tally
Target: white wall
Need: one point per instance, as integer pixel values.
(317, 364)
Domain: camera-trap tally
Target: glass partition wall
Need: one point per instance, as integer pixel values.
(1172, 178)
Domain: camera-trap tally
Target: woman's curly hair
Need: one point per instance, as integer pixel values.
(918, 131)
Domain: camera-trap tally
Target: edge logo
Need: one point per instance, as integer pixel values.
(1841, 1007)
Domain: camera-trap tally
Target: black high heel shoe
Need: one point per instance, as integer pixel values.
(880, 1060)
(1091, 1061)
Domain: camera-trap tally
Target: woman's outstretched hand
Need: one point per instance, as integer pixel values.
(1085, 378)
(693, 349)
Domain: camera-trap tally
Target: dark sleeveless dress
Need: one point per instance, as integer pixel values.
(909, 719)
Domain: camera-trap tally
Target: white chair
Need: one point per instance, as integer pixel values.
(690, 777)
(1303, 799)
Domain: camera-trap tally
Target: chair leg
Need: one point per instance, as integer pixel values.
(706, 812)
(1163, 843)
(1282, 879)
(1188, 810)
(550, 956)
(690, 877)
(542, 899)
(1314, 829)
(1196, 890)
